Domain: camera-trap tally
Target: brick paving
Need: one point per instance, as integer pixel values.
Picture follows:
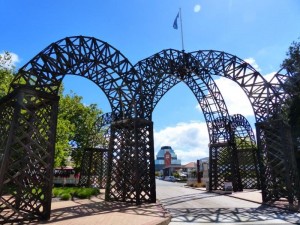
(96, 211)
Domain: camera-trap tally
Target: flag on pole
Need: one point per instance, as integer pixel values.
(175, 25)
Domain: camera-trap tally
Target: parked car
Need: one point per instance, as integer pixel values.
(170, 178)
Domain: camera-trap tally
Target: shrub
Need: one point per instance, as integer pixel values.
(56, 192)
(86, 192)
(65, 196)
(65, 193)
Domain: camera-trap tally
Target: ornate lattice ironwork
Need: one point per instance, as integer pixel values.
(133, 92)
(131, 164)
(94, 162)
(87, 57)
(220, 170)
(267, 100)
(27, 152)
(102, 126)
(164, 70)
(94, 168)
(246, 151)
(280, 178)
(224, 165)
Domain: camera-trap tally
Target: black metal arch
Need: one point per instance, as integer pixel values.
(243, 129)
(84, 56)
(164, 70)
(285, 84)
(278, 166)
(256, 88)
(33, 134)
(247, 152)
(266, 100)
(28, 122)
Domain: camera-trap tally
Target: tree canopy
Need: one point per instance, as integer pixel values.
(76, 123)
(292, 65)
(6, 73)
(292, 62)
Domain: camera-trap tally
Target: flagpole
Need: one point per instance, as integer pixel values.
(181, 29)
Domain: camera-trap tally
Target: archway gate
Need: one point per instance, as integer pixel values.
(28, 121)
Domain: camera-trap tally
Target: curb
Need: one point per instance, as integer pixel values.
(166, 222)
(166, 213)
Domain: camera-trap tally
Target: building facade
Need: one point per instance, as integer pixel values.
(166, 157)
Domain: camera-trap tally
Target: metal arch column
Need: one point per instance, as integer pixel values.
(95, 159)
(27, 163)
(223, 155)
(94, 168)
(277, 153)
(132, 162)
(247, 151)
(280, 178)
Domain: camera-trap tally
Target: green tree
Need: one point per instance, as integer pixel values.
(6, 77)
(6, 60)
(64, 133)
(292, 64)
(80, 126)
(244, 142)
(6, 73)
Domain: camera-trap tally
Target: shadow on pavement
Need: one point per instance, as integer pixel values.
(233, 215)
(88, 212)
(259, 215)
(185, 198)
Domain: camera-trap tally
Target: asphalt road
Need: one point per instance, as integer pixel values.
(189, 206)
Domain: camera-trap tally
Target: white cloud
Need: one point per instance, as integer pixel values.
(253, 63)
(189, 140)
(197, 8)
(236, 100)
(15, 58)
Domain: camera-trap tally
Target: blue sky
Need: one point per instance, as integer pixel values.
(258, 31)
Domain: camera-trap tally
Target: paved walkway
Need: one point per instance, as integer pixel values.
(97, 211)
(255, 196)
(248, 194)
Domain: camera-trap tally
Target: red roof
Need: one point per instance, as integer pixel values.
(190, 165)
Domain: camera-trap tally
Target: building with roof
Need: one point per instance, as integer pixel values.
(166, 157)
(188, 168)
